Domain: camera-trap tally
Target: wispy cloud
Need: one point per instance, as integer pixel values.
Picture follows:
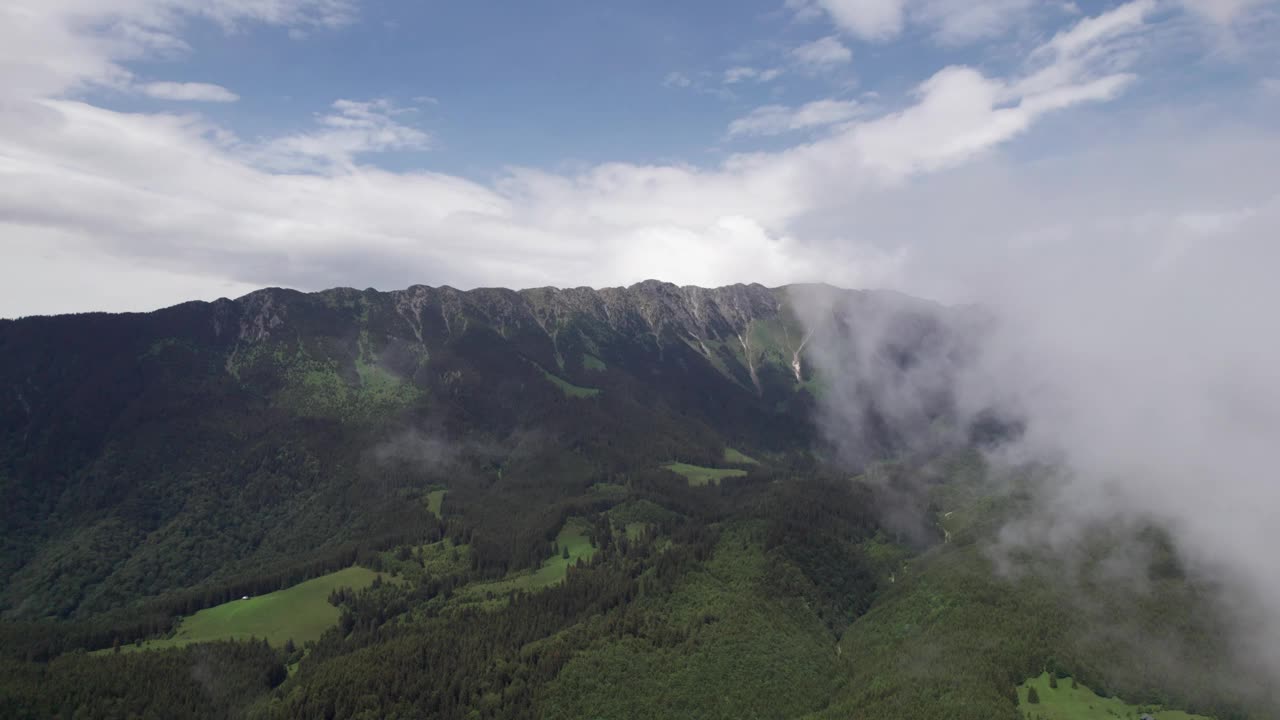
(188, 91)
(1224, 12)
(959, 22)
(823, 52)
(743, 73)
(779, 119)
(51, 47)
(677, 79)
(352, 128)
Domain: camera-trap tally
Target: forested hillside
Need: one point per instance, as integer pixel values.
(563, 503)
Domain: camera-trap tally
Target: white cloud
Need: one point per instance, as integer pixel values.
(353, 129)
(1086, 34)
(52, 47)
(953, 21)
(82, 179)
(744, 73)
(823, 52)
(779, 119)
(189, 91)
(959, 22)
(866, 19)
(678, 79)
(49, 274)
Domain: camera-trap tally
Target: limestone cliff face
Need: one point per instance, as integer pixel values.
(738, 328)
(743, 331)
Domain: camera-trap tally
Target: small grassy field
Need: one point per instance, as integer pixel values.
(553, 570)
(435, 499)
(1080, 703)
(591, 362)
(698, 476)
(737, 457)
(568, 388)
(635, 531)
(301, 612)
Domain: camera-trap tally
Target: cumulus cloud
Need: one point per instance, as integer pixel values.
(188, 91)
(779, 119)
(823, 52)
(865, 19)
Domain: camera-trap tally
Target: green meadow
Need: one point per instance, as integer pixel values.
(698, 476)
(737, 457)
(568, 388)
(1065, 702)
(573, 536)
(435, 499)
(300, 613)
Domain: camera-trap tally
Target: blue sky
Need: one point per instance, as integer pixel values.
(155, 150)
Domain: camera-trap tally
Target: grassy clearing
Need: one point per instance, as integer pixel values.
(573, 536)
(645, 512)
(591, 362)
(1080, 703)
(301, 612)
(568, 388)
(635, 530)
(699, 476)
(737, 457)
(435, 500)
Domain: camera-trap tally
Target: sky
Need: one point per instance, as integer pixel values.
(157, 151)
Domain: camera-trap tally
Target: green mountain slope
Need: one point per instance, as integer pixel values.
(578, 503)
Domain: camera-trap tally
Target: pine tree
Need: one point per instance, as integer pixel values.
(565, 554)
(1053, 681)
(1033, 697)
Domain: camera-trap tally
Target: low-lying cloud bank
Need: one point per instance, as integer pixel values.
(1146, 372)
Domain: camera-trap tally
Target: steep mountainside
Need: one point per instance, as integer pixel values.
(634, 502)
(184, 448)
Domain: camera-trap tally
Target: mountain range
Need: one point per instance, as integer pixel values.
(626, 502)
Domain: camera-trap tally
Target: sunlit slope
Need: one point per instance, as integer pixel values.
(298, 613)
